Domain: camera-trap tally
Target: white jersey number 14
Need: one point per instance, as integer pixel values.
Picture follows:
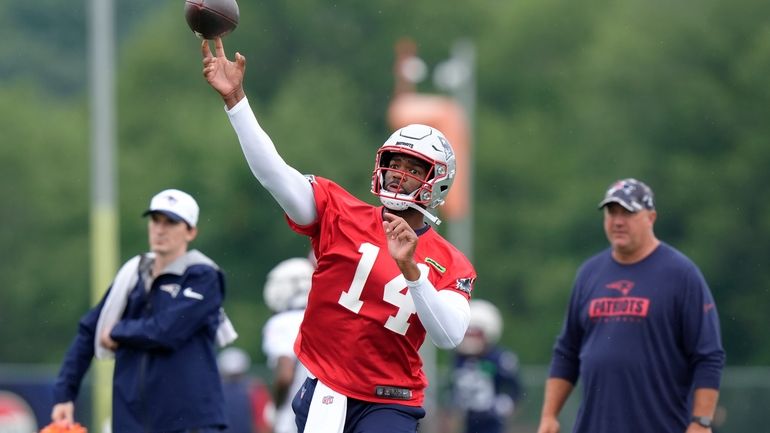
(351, 299)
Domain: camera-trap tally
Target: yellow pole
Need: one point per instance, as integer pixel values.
(104, 222)
(104, 246)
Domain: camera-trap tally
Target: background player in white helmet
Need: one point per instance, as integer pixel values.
(286, 291)
(385, 279)
(485, 384)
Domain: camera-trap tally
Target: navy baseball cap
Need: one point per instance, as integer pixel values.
(630, 193)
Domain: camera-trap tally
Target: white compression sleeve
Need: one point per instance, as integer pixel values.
(445, 314)
(288, 186)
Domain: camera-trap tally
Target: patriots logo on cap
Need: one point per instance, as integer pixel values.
(626, 186)
(171, 199)
(631, 194)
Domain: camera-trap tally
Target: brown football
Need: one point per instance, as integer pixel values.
(210, 19)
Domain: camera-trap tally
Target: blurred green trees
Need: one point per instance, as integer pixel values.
(571, 96)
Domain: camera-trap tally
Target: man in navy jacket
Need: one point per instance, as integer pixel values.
(160, 320)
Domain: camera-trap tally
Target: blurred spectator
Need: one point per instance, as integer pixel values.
(160, 320)
(248, 405)
(286, 292)
(485, 385)
(641, 332)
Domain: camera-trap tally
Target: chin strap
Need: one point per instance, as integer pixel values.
(432, 218)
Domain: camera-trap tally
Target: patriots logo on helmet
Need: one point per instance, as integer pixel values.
(465, 285)
(447, 148)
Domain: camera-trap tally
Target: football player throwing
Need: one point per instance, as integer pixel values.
(385, 278)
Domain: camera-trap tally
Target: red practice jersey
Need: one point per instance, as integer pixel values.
(361, 329)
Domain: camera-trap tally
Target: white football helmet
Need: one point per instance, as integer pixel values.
(288, 284)
(427, 144)
(486, 317)
(484, 328)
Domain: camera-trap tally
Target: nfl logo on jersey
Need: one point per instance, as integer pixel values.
(327, 399)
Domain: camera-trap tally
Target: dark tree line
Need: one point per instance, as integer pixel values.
(571, 96)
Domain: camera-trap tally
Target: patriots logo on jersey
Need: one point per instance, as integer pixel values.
(465, 285)
(310, 178)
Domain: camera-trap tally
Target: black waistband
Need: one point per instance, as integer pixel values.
(392, 392)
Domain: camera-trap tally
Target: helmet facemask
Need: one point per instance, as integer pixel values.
(396, 200)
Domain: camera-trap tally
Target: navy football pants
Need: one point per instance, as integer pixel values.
(362, 416)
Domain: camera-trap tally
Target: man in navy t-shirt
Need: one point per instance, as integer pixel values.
(641, 331)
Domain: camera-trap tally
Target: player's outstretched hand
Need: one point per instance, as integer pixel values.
(402, 241)
(225, 76)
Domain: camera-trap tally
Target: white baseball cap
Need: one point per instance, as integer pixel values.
(175, 204)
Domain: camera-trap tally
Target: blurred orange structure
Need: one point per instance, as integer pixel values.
(441, 112)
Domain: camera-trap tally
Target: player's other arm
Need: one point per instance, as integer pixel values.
(288, 186)
(445, 314)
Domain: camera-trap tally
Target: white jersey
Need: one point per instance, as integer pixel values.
(278, 337)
